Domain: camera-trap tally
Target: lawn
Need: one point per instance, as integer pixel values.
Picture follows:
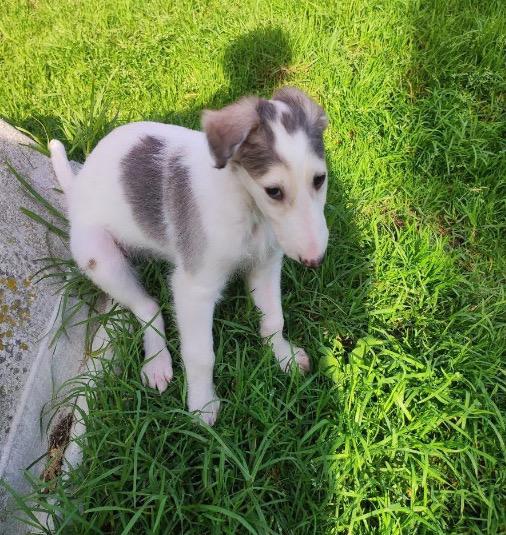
(400, 427)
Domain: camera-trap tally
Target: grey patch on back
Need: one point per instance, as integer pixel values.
(304, 114)
(257, 153)
(190, 237)
(143, 175)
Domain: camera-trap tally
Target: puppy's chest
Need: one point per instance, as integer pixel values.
(257, 244)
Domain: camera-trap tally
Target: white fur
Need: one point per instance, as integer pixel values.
(244, 229)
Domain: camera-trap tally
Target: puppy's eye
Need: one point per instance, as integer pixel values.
(318, 181)
(275, 193)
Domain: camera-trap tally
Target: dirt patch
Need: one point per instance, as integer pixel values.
(58, 442)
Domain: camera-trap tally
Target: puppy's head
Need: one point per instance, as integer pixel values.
(278, 145)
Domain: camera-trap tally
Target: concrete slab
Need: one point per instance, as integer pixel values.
(31, 371)
(24, 306)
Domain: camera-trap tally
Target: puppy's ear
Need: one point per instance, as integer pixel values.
(300, 103)
(227, 128)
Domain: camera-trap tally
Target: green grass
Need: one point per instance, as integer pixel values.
(400, 428)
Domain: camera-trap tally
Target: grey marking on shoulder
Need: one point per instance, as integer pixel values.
(257, 153)
(142, 176)
(303, 115)
(190, 237)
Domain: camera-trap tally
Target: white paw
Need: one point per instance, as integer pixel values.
(300, 358)
(207, 407)
(157, 372)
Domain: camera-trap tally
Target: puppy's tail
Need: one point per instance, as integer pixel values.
(61, 164)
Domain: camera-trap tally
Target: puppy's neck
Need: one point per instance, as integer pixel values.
(241, 179)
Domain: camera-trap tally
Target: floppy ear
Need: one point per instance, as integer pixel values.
(226, 129)
(300, 102)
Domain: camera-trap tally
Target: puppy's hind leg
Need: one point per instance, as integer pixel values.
(99, 257)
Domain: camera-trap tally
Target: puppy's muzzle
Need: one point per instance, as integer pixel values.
(312, 262)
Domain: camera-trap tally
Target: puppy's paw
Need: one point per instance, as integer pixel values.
(206, 407)
(157, 372)
(300, 358)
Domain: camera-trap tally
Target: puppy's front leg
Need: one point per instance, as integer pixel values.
(194, 299)
(265, 285)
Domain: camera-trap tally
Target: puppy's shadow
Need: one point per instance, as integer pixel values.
(255, 63)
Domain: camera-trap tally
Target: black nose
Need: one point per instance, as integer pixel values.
(312, 262)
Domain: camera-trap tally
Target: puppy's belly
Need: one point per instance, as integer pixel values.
(116, 218)
(129, 236)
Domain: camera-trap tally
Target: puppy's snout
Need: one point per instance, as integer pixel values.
(312, 262)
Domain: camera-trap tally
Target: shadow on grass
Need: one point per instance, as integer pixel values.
(255, 64)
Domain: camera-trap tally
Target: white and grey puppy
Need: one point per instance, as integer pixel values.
(237, 196)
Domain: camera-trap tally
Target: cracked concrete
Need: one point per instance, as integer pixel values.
(31, 369)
